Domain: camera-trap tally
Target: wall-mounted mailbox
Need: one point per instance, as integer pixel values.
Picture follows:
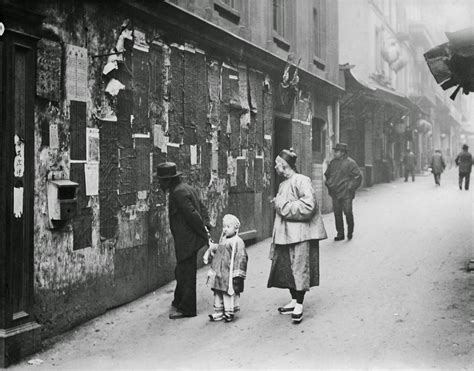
(62, 201)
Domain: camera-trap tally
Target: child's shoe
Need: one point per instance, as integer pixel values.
(214, 317)
(228, 317)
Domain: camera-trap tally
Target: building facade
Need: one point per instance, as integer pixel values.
(376, 115)
(391, 102)
(96, 94)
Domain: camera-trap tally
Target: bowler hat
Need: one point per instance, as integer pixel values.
(167, 170)
(340, 147)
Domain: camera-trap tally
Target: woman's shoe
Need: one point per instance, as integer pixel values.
(297, 318)
(285, 310)
(228, 317)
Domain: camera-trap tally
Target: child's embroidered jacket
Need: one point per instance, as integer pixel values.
(222, 264)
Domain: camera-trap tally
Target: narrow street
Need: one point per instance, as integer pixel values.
(397, 296)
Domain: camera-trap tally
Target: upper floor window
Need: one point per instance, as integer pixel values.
(279, 15)
(229, 9)
(379, 65)
(316, 33)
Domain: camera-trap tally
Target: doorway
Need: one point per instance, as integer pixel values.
(17, 67)
(282, 140)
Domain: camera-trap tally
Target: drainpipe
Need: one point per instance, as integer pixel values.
(336, 120)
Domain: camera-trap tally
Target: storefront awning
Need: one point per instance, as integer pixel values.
(378, 92)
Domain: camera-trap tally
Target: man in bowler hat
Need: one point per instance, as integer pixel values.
(189, 224)
(343, 177)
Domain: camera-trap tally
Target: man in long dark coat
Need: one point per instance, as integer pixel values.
(464, 161)
(437, 166)
(343, 177)
(409, 163)
(188, 222)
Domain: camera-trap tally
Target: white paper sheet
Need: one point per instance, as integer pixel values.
(53, 136)
(92, 179)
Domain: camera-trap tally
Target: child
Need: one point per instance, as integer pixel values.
(228, 269)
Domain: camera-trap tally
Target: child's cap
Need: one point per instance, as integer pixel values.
(232, 220)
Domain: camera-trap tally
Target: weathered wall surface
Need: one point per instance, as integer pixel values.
(153, 100)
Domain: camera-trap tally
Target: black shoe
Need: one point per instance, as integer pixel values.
(228, 317)
(338, 238)
(283, 310)
(179, 315)
(297, 318)
(349, 236)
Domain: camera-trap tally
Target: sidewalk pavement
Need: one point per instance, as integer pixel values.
(388, 298)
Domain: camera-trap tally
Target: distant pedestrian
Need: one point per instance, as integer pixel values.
(343, 177)
(409, 163)
(188, 222)
(297, 229)
(228, 270)
(437, 166)
(464, 161)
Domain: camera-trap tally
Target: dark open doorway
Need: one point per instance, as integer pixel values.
(283, 139)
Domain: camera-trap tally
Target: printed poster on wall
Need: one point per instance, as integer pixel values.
(92, 145)
(76, 73)
(193, 153)
(92, 179)
(18, 171)
(53, 136)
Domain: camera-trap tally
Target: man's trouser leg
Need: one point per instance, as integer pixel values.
(406, 175)
(185, 293)
(347, 207)
(437, 178)
(413, 175)
(461, 176)
(337, 206)
(467, 181)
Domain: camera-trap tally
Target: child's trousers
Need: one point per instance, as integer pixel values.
(225, 303)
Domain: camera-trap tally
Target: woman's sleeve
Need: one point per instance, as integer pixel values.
(301, 209)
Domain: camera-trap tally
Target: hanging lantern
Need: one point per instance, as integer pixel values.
(423, 126)
(391, 50)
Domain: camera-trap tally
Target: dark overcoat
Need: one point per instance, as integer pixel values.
(437, 163)
(188, 217)
(409, 161)
(464, 161)
(343, 177)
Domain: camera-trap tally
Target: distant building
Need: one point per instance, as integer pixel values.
(376, 115)
(391, 102)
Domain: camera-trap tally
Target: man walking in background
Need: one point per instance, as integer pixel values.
(409, 163)
(437, 166)
(343, 177)
(188, 222)
(464, 161)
